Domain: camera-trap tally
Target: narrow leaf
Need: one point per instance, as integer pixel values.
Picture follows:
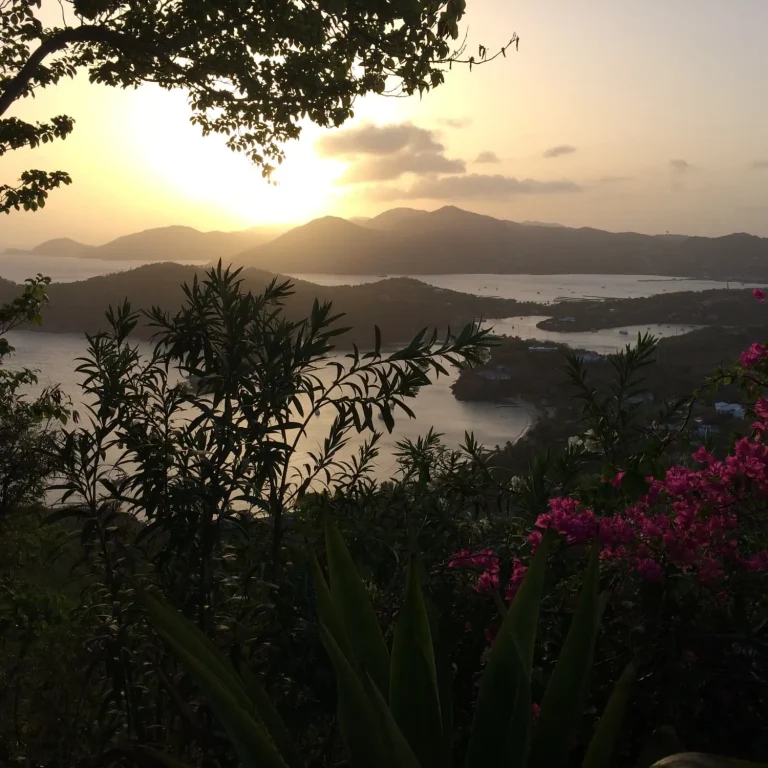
(601, 748)
(508, 671)
(567, 691)
(355, 610)
(414, 696)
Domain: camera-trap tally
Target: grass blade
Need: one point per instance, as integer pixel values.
(413, 696)
(603, 744)
(358, 618)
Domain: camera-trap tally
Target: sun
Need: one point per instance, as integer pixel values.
(201, 172)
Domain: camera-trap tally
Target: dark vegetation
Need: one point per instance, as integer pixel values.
(720, 308)
(195, 498)
(163, 597)
(400, 307)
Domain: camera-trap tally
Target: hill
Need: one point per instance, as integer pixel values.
(401, 307)
(164, 243)
(453, 241)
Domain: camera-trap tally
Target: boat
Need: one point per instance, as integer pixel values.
(623, 333)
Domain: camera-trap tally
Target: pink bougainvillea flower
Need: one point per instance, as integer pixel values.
(753, 355)
(616, 481)
(535, 709)
(759, 294)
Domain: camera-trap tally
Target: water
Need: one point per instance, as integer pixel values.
(604, 341)
(544, 289)
(65, 269)
(55, 356)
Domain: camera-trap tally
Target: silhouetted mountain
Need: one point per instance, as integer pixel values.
(62, 246)
(400, 306)
(164, 243)
(540, 224)
(393, 218)
(451, 240)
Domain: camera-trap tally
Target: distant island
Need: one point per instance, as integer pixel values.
(406, 241)
(160, 244)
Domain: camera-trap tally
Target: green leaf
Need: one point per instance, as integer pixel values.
(327, 613)
(503, 705)
(357, 723)
(270, 717)
(700, 760)
(567, 691)
(603, 744)
(355, 610)
(413, 694)
(219, 684)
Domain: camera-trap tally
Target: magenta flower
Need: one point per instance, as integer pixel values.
(759, 294)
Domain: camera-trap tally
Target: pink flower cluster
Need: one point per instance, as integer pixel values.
(689, 520)
(755, 354)
(483, 560)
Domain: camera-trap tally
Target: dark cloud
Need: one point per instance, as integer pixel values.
(377, 140)
(394, 166)
(487, 157)
(680, 166)
(387, 152)
(612, 179)
(559, 151)
(474, 185)
(760, 165)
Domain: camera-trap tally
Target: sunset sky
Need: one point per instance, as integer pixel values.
(648, 116)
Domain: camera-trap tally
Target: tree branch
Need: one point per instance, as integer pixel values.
(57, 42)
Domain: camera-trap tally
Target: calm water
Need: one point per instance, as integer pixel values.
(603, 342)
(545, 288)
(64, 269)
(55, 356)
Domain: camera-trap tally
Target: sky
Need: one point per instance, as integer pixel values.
(647, 116)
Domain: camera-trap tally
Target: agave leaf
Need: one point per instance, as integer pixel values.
(700, 760)
(606, 734)
(327, 612)
(362, 724)
(566, 693)
(355, 610)
(270, 717)
(413, 695)
(506, 681)
(219, 684)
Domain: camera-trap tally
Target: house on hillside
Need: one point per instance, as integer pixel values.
(734, 410)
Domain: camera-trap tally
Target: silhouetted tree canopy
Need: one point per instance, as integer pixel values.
(253, 69)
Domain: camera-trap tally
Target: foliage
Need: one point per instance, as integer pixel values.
(391, 706)
(254, 71)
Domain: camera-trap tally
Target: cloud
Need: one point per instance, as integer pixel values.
(680, 166)
(612, 179)
(559, 151)
(394, 166)
(760, 165)
(460, 122)
(487, 157)
(377, 140)
(387, 152)
(474, 185)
